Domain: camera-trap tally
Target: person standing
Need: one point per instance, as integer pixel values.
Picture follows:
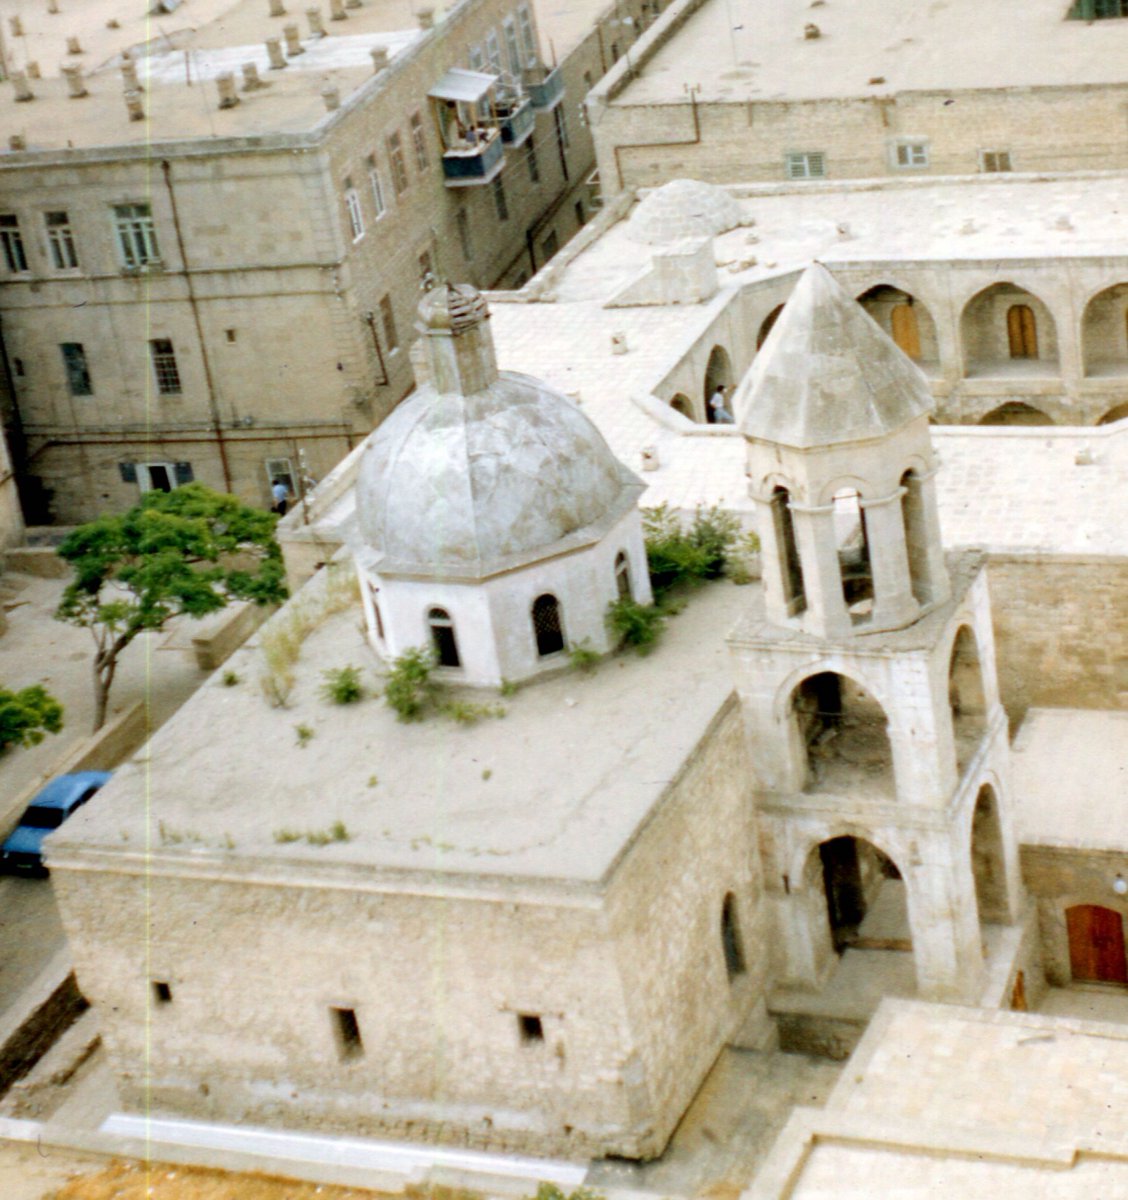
(720, 410)
(280, 494)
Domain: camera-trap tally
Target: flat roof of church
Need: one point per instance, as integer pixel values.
(1069, 769)
(555, 789)
(741, 50)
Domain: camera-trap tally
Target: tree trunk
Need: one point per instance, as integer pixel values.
(103, 677)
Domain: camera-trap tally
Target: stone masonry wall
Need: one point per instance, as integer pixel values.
(1061, 631)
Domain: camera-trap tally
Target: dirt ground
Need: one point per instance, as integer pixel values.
(30, 1172)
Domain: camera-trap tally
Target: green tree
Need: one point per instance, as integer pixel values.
(187, 552)
(26, 715)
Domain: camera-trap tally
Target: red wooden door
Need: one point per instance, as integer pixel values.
(1096, 944)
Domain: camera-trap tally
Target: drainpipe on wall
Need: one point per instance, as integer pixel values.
(213, 405)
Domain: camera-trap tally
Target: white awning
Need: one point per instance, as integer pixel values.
(459, 84)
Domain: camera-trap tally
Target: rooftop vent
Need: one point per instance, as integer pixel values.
(337, 10)
(332, 96)
(129, 75)
(163, 6)
(426, 18)
(811, 31)
(251, 80)
(33, 69)
(225, 82)
(316, 24)
(293, 40)
(276, 8)
(17, 142)
(76, 85)
(52, 6)
(379, 57)
(23, 88)
(74, 46)
(16, 26)
(133, 105)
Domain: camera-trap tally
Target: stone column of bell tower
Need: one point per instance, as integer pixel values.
(867, 677)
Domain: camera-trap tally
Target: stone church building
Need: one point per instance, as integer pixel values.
(537, 932)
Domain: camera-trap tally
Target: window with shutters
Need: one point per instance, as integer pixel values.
(164, 367)
(399, 166)
(352, 207)
(419, 141)
(60, 240)
(377, 187)
(15, 257)
(908, 155)
(993, 161)
(805, 164)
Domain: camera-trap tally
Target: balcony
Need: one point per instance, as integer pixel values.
(516, 120)
(474, 163)
(548, 91)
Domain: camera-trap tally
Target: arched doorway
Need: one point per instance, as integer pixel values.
(767, 324)
(843, 734)
(904, 319)
(988, 864)
(1096, 944)
(865, 897)
(1114, 414)
(1104, 332)
(965, 697)
(1006, 330)
(443, 638)
(1014, 412)
(718, 373)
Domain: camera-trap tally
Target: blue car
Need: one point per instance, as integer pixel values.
(23, 849)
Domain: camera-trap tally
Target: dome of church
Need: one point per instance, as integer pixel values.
(459, 485)
(683, 208)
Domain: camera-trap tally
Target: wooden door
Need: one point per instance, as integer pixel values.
(1096, 944)
(906, 332)
(1022, 332)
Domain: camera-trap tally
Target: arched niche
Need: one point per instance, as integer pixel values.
(1016, 412)
(1007, 330)
(767, 324)
(988, 861)
(681, 403)
(1114, 414)
(1104, 333)
(966, 697)
(905, 319)
(866, 904)
(843, 734)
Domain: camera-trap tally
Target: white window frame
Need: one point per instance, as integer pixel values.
(355, 213)
(378, 201)
(512, 46)
(476, 56)
(984, 155)
(15, 252)
(145, 478)
(910, 154)
(281, 468)
(136, 236)
(528, 38)
(166, 367)
(60, 240)
(805, 164)
(493, 51)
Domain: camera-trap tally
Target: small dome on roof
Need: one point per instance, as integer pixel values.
(459, 486)
(680, 209)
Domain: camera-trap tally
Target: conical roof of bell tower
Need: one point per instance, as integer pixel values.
(828, 374)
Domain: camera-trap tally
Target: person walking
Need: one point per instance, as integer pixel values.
(280, 494)
(721, 413)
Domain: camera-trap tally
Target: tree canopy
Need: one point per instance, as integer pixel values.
(187, 552)
(27, 716)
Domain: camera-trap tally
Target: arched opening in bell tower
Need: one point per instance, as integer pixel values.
(966, 697)
(844, 735)
(866, 907)
(852, 543)
(987, 859)
(916, 536)
(790, 568)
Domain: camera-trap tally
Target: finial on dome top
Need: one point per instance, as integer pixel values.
(457, 341)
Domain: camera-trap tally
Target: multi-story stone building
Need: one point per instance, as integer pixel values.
(214, 222)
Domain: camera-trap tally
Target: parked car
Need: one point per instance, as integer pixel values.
(22, 851)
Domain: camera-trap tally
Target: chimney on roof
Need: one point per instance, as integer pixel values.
(274, 52)
(337, 10)
(276, 9)
(426, 18)
(133, 105)
(332, 96)
(316, 25)
(293, 40)
(33, 69)
(23, 88)
(52, 6)
(251, 80)
(16, 26)
(17, 142)
(129, 75)
(379, 57)
(225, 82)
(74, 46)
(76, 87)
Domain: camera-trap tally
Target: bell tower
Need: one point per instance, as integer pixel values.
(867, 675)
